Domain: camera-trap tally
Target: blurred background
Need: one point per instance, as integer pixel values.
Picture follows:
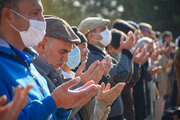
(161, 14)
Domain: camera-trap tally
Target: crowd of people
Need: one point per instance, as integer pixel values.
(92, 71)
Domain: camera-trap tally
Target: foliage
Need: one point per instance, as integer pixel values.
(161, 14)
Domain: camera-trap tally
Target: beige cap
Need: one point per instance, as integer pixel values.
(92, 23)
(60, 29)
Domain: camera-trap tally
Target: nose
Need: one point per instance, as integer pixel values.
(41, 17)
(87, 50)
(65, 57)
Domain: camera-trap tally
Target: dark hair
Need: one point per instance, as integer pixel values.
(166, 34)
(116, 37)
(158, 34)
(123, 26)
(8, 4)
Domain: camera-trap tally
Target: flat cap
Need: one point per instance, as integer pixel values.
(60, 29)
(91, 23)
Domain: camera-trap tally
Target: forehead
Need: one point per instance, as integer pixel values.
(29, 5)
(60, 44)
(84, 44)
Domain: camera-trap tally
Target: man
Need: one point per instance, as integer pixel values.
(167, 37)
(95, 30)
(82, 45)
(58, 36)
(22, 25)
(114, 49)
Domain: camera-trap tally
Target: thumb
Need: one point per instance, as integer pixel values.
(71, 83)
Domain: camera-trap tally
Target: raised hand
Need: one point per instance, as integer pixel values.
(139, 55)
(169, 66)
(66, 98)
(129, 42)
(153, 70)
(12, 109)
(109, 95)
(108, 61)
(94, 72)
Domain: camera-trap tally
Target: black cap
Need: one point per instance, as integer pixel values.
(79, 34)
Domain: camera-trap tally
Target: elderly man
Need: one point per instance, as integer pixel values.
(95, 30)
(22, 25)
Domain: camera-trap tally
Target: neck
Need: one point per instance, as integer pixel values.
(12, 37)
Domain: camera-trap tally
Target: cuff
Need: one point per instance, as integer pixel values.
(50, 104)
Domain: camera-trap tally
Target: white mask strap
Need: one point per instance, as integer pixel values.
(14, 28)
(19, 14)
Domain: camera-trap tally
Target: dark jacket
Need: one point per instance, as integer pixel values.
(128, 102)
(141, 94)
(118, 73)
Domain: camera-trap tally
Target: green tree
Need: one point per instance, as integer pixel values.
(161, 14)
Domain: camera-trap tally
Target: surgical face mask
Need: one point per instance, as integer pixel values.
(118, 57)
(35, 32)
(106, 38)
(74, 58)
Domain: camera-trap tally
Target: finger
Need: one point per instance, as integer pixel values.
(98, 70)
(26, 90)
(98, 73)
(86, 94)
(71, 83)
(18, 92)
(107, 87)
(81, 68)
(117, 89)
(86, 85)
(3, 100)
(93, 66)
(102, 86)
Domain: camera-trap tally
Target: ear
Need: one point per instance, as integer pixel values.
(110, 49)
(90, 36)
(42, 46)
(7, 15)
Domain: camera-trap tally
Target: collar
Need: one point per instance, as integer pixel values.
(5, 48)
(46, 67)
(103, 50)
(93, 48)
(11, 50)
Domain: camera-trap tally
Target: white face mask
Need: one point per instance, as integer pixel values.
(35, 32)
(106, 38)
(74, 58)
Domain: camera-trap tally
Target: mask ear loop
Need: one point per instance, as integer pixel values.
(19, 14)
